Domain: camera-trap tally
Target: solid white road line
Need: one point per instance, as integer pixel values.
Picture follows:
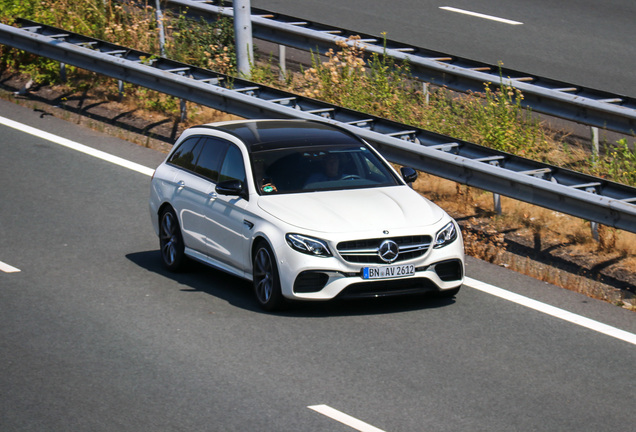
(77, 146)
(482, 286)
(551, 310)
(4, 267)
(479, 15)
(344, 418)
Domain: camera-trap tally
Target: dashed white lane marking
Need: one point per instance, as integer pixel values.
(6, 268)
(344, 418)
(480, 15)
(552, 311)
(77, 146)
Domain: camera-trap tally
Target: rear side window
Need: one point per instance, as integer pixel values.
(211, 157)
(186, 154)
(233, 167)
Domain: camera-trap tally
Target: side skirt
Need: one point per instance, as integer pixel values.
(204, 259)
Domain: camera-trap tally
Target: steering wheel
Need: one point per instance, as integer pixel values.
(351, 177)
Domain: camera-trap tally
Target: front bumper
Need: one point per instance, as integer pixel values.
(436, 277)
(313, 278)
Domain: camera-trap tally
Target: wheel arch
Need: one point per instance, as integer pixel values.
(270, 233)
(258, 239)
(164, 206)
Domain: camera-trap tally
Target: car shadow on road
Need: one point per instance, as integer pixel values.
(238, 292)
(197, 277)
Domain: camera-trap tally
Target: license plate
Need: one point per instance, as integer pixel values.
(386, 272)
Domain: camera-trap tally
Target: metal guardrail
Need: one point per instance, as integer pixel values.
(559, 99)
(556, 188)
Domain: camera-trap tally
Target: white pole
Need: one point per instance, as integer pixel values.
(243, 36)
(282, 62)
(595, 146)
(162, 36)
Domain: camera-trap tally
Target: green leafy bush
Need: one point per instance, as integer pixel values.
(617, 163)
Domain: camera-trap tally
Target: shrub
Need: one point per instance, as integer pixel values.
(617, 163)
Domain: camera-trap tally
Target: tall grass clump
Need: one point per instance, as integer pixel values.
(617, 163)
(494, 118)
(200, 43)
(384, 88)
(80, 16)
(130, 24)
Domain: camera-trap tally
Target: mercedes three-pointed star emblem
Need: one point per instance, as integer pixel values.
(388, 251)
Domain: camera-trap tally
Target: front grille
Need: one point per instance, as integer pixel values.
(366, 251)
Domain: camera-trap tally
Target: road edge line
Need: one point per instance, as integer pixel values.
(552, 310)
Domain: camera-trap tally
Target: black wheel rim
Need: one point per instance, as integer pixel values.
(169, 238)
(263, 275)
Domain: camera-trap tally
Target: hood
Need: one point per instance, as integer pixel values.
(353, 210)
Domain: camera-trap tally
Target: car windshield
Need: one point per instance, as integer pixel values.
(317, 168)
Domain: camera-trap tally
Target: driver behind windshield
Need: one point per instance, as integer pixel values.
(330, 170)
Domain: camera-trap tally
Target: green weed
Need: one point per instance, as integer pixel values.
(617, 163)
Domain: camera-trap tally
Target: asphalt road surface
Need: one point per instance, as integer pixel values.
(583, 42)
(95, 336)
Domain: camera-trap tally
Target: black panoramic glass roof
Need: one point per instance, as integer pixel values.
(275, 134)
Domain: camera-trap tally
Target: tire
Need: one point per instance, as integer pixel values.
(171, 241)
(266, 280)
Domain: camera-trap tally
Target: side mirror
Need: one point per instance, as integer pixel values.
(408, 174)
(231, 187)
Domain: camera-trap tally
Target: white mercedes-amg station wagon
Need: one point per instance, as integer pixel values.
(303, 209)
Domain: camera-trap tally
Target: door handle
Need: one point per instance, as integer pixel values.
(212, 195)
(180, 184)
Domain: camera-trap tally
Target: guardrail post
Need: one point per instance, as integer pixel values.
(425, 91)
(497, 202)
(282, 62)
(183, 108)
(595, 146)
(495, 196)
(63, 72)
(593, 225)
(243, 36)
(594, 228)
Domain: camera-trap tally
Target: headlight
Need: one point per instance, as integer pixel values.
(308, 245)
(445, 236)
